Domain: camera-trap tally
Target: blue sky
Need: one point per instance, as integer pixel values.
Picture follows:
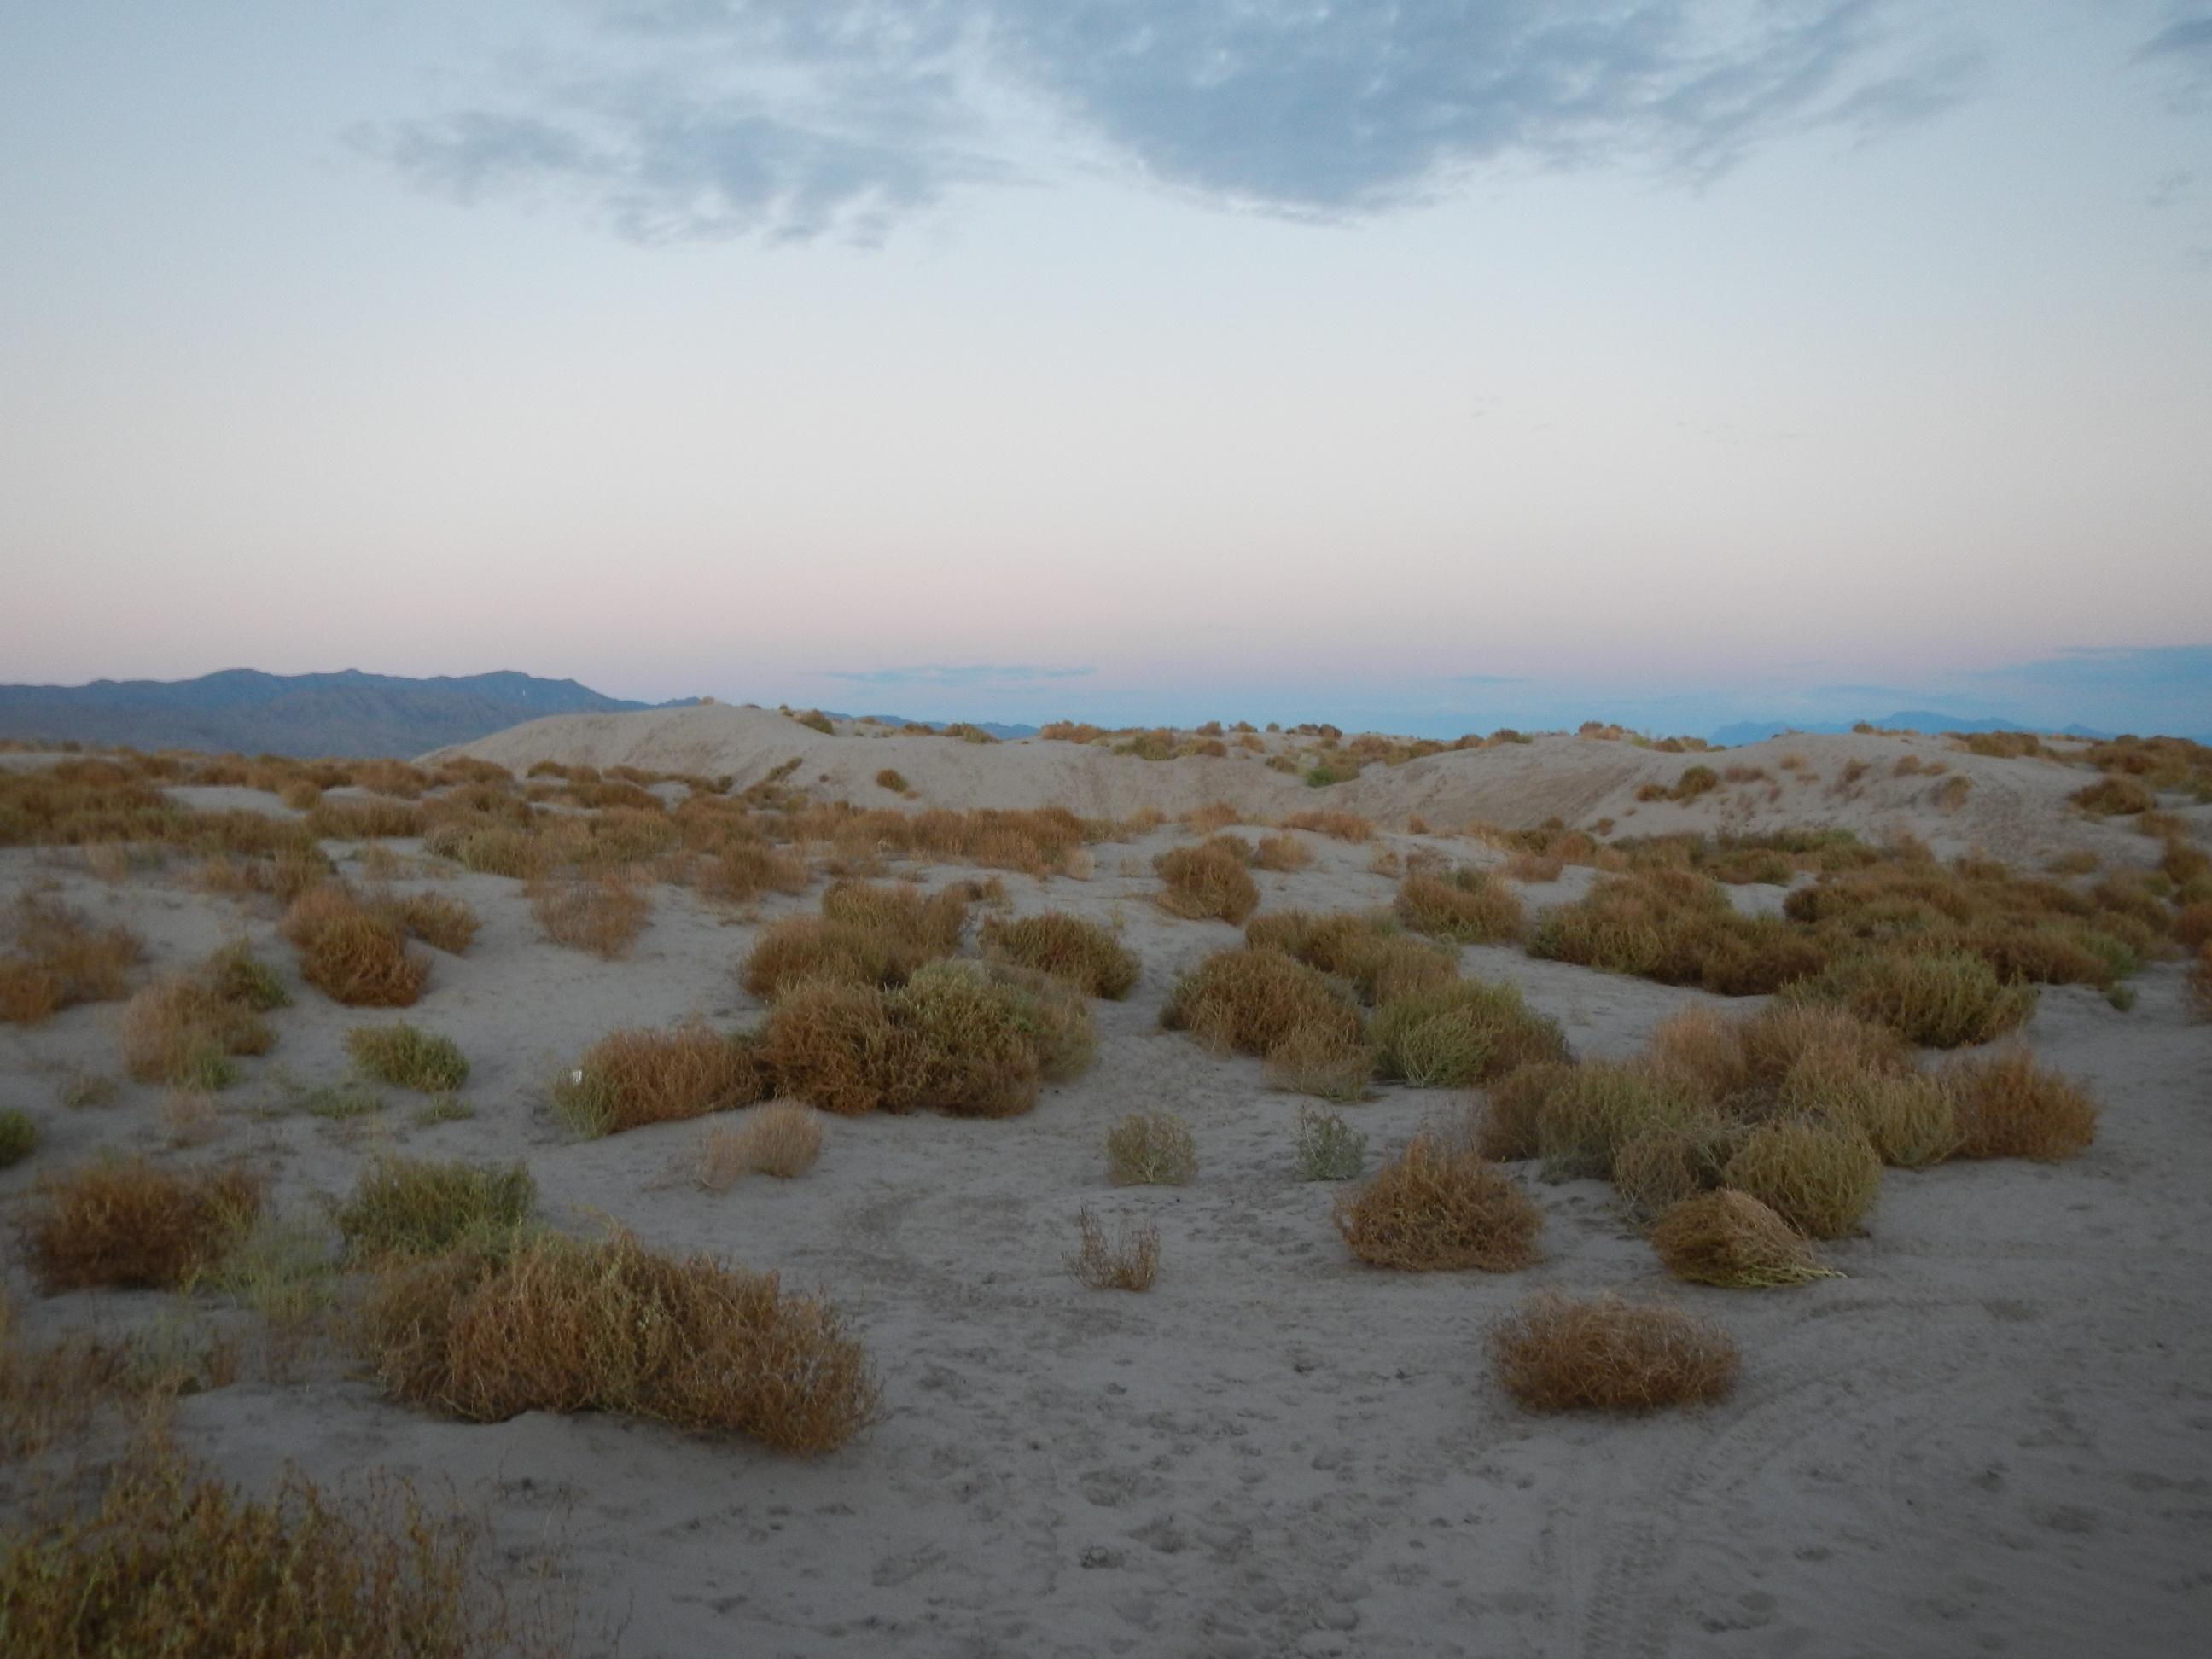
(1431, 366)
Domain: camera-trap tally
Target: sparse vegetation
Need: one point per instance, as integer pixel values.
(1328, 1148)
(602, 911)
(56, 957)
(1151, 1149)
(1559, 1353)
(781, 1139)
(1130, 1260)
(1440, 1205)
(556, 1324)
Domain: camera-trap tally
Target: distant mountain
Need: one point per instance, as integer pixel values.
(349, 713)
(994, 727)
(1910, 719)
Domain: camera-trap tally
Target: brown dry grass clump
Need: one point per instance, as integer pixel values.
(1282, 854)
(962, 1038)
(1364, 949)
(741, 871)
(1655, 1169)
(602, 911)
(436, 919)
(183, 1029)
(1338, 826)
(1909, 1119)
(1600, 1107)
(1252, 1001)
(2114, 797)
(1208, 880)
(172, 1562)
(1939, 999)
(1128, 1262)
(629, 1079)
(352, 954)
(57, 956)
(1703, 1049)
(2199, 983)
(1506, 1126)
(2192, 924)
(1441, 1205)
(782, 1139)
(807, 950)
(131, 1225)
(1819, 1176)
(1467, 908)
(554, 1324)
(1327, 1064)
(1559, 1353)
(1732, 1240)
(1787, 1036)
(2009, 1106)
(1085, 954)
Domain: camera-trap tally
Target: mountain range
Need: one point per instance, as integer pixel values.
(348, 713)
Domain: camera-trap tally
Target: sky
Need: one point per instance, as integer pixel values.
(1425, 366)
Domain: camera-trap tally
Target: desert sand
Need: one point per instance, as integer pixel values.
(1992, 1435)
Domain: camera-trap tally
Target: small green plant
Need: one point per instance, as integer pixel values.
(85, 1091)
(413, 1207)
(339, 1102)
(1151, 1149)
(281, 1270)
(19, 1137)
(445, 1108)
(1329, 1149)
(408, 1057)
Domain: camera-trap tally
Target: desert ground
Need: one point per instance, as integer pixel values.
(1989, 1432)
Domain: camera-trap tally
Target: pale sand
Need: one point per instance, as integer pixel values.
(1994, 1436)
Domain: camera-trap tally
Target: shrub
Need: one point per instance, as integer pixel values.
(1282, 854)
(1251, 1002)
(19, 1136)
(242, 979)
(1704, 1050)
(1908, 1118)
(835, 1045)
(1940, 999)
(2192, 924)
(602, 911)
(351, 954)
(1821, 1177)
(1506, 1128)
(1328, 1148)
(1128, 1262)
(807, 948)
(408, 1057)
(1602, 1105)
(1468, 909)
(1336, 826)
(1657, 1167)
(743, 870)
(1731, 1239)
(1364, 949)
(2114, 796)
(555, 1324)
(2007, 1106)
(1440, 1205)
(1787, 1036)
(131, 1225)
(890, 780)
(1209, 879)
(1460, 1034)
(782, 1139)
(58, 957)
(927, 926)
(412, 1208)
(629, 1079)
(2199, 983)
(1067, 947)
(1558, 1353)
(1151, 1149)
(1325, 1064)
(436, 919)
(175, 1562)
(1678, 927)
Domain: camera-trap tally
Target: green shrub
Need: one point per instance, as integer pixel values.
(19, 1137)
(1820, 1177)
(1461, 1034)
(1939, 999)
(1600, 1107)
(1328, 1148)
(411, 1206)
(408, 1057)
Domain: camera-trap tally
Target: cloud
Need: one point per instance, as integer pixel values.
(794, 119)
(966, 674)
(2181, 672)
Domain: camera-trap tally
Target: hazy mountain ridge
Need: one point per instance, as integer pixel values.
(345, 713)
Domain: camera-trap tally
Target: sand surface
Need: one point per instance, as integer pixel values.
(1994, 1436)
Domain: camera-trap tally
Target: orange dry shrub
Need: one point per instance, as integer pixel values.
(603, 912)
(1440, 1205)
(553, 1324)
(131, 1225)
(745, 870)
(1283, 853)
(2007, 1106)
(632, 1078)
(1558, 1353)
(1085, 954)
(1466, 908)
(57, 956)
(1339, 826)
(352, 954)
(1251, 1002)
(1208, 880)
(359, 819)
(1678, 928)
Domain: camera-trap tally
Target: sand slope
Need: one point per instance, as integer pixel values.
(2012, 808)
